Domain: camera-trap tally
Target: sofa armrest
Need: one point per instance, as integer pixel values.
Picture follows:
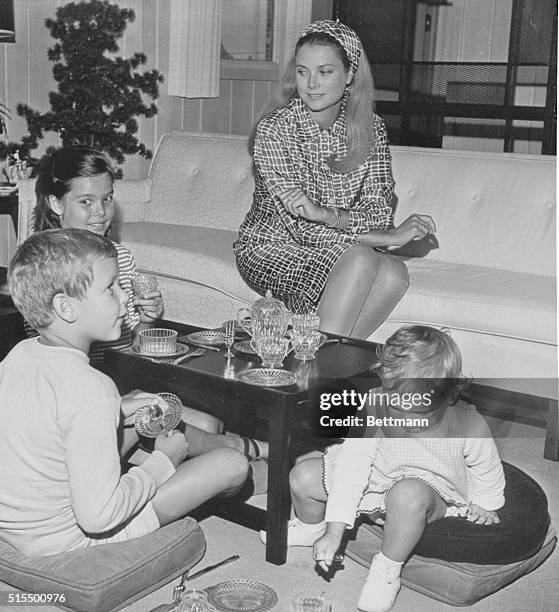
(132, 199)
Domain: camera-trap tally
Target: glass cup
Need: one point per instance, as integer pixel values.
(158, 341)
(195, 601)
(305, 344)
(271, 350)
(144, 284)
(305, 322)
(310, 602)
(305, 336)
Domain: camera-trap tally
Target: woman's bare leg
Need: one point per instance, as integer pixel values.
(387, 289)
(410, 506)
(219, 472)
(362, 290)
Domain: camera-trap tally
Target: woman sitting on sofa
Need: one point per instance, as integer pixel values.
(324, 185)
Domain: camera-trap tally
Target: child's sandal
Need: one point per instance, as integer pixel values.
(252, 449)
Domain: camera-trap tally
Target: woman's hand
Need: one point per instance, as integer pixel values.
(150, 306)
(480, 516)
(135, 400)
(414, 227)
(297, 204)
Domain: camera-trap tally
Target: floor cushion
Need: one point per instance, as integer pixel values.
(459, 562)
(109, 576)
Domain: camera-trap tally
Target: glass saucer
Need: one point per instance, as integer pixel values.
(248, 595)
(181, 349)
(244, 347)
(267, 377)
(206, 338)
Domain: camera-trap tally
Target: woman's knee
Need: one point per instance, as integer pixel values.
(362, 258)
(394, 273)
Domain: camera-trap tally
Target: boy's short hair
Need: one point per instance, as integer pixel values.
(52, 262)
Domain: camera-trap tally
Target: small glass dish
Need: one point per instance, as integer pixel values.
(267, 377)
(206, 338)
(249, 595)
(158, 341)
(150, 421)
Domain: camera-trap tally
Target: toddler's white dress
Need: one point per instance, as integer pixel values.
(461, 464)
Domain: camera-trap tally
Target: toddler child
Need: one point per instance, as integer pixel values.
(62, 486)
(405, 478)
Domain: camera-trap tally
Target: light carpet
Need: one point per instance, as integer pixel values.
(535, 592)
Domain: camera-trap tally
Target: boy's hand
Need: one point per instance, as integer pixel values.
(174, 446)
(135, 400)
(150, 306)
(325, 548)
(480, 516)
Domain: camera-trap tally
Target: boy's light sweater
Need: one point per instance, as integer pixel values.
(59, 462)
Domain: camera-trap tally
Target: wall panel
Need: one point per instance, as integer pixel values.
(26, 76)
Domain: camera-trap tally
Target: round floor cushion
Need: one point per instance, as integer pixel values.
(521, 532)
(459, 562)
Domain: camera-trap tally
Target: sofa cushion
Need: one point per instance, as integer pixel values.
(108, 576)
(512, 304)
(474, 298)
(201, 179)
(460, 562)
(491, 209)
(196, 254)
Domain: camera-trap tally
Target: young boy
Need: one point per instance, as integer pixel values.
(59, 462)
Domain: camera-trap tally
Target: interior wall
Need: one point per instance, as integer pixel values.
(26, 76)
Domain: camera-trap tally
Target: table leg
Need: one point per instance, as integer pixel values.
(279, 498)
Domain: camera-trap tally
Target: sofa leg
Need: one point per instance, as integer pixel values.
(551, 449)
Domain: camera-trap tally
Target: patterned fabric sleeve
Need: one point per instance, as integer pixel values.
(372, 210)
(126, 273)
(276, 170)
(272, 158)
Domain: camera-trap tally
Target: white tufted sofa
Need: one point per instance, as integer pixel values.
(491, 278)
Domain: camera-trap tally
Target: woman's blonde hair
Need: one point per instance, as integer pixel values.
(359, 104)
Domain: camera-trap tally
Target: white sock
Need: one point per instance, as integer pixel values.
(311, 527)
(396, 565)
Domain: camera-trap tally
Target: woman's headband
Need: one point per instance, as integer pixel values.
(347, 38)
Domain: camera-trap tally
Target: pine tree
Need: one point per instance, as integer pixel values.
(99, 95)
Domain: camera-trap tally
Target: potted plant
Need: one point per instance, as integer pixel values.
(100, 96)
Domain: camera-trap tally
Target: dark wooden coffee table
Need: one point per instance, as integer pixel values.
(209, 382)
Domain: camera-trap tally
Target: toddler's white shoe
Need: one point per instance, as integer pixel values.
(381, 587)
(301, 534)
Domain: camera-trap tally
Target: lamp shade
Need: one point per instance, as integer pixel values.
(7, 30)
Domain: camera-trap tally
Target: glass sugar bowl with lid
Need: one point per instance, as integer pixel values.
(269, 318)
